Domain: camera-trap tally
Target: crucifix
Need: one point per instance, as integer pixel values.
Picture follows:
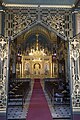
(75, 43)
(2, 42)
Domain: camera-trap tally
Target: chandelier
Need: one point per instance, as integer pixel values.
(36, 53)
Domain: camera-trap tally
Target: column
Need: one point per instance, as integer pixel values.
(4, 75)
(74, 54)
(66, 68)
(0, 22)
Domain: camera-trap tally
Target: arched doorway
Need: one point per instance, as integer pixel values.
(59, 24)
(39, 55)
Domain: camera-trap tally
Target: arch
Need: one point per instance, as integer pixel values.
(37, 64)
(47, 28)
(26, 31)
(37, 29)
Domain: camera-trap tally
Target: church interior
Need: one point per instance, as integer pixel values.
(39, 60)
(40, 54)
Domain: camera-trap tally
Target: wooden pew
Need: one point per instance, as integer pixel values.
(55, 93)
(18, 91)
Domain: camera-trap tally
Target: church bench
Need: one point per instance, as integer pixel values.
(55, 93)
(49, 86)
(18, 91)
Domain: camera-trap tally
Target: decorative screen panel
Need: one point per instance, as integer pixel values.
(3, 73)
(75, 72)
(19, 19)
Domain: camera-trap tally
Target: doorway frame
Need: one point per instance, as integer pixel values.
(74, 47)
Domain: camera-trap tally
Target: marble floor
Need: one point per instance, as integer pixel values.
(58, 112)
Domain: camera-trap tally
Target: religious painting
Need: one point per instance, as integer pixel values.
(37, 68)
(46, 68)
(27, 68)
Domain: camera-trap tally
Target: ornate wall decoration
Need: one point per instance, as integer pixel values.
(60, 20)
(3, 72)
(55, 21)
(19, 19)
(75, 71)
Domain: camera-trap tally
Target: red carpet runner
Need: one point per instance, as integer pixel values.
(38, 109)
